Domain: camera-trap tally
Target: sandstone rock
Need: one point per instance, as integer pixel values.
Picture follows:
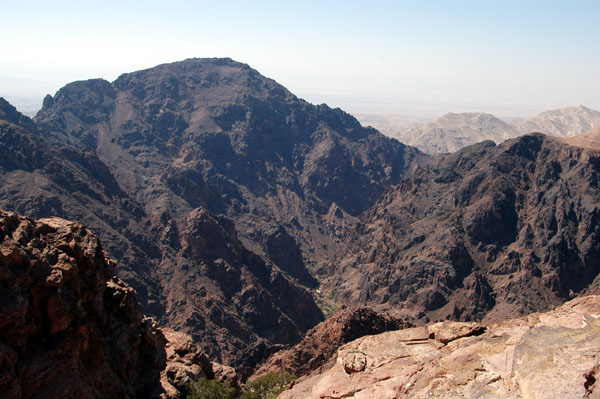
(554, 354)
(185, 362)
(355, 362)
(445, 332)
(321, 342)
(226, 374)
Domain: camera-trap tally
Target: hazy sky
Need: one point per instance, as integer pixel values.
(407, 57)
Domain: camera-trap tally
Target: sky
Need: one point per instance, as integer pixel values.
(510, 58)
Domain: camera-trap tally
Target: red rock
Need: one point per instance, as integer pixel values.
(322, 341)
(542, 355)
(68, 327)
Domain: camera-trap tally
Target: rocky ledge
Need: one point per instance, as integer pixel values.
(554, 354)
(322, 341)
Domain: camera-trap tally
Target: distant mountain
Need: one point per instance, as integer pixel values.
(390, 124)
(489, 232)
(452, 132)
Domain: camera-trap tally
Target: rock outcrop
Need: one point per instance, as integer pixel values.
(490, 232)
(68, 327)
(322, 341)
(186, 362)
(554, 354)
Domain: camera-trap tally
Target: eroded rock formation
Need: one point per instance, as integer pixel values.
(68, 327)
(322, 341)
(542, 355)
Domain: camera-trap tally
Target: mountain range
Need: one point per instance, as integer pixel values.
(488, 232)
(454, 131)
(215, 188)
(243, 215)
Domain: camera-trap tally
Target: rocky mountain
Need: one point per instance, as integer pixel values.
(215, 133)
(68, 327)
(542, 355)
(202, 252)
(454, 131)
(216, 188)
(489, 232)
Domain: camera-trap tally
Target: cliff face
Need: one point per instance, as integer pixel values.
(226, 297)
(542, 355)
(490, 231)
(68, 327)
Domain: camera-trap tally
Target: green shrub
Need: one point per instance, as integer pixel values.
(268, 386)
(208, 389)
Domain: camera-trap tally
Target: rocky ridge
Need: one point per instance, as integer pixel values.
(536, 356)
(69, 328)
(489, 232)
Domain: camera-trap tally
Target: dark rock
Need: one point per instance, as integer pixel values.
(215, 134)
(488, 232)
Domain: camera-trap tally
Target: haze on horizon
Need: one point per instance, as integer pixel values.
(510, 58)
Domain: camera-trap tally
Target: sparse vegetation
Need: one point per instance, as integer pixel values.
(326, 303)
(269, 386)
(208, 389)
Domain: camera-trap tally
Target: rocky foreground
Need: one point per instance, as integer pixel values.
(70, 329)
(542, 355)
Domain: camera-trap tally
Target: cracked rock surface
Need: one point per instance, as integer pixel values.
(553, 354)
